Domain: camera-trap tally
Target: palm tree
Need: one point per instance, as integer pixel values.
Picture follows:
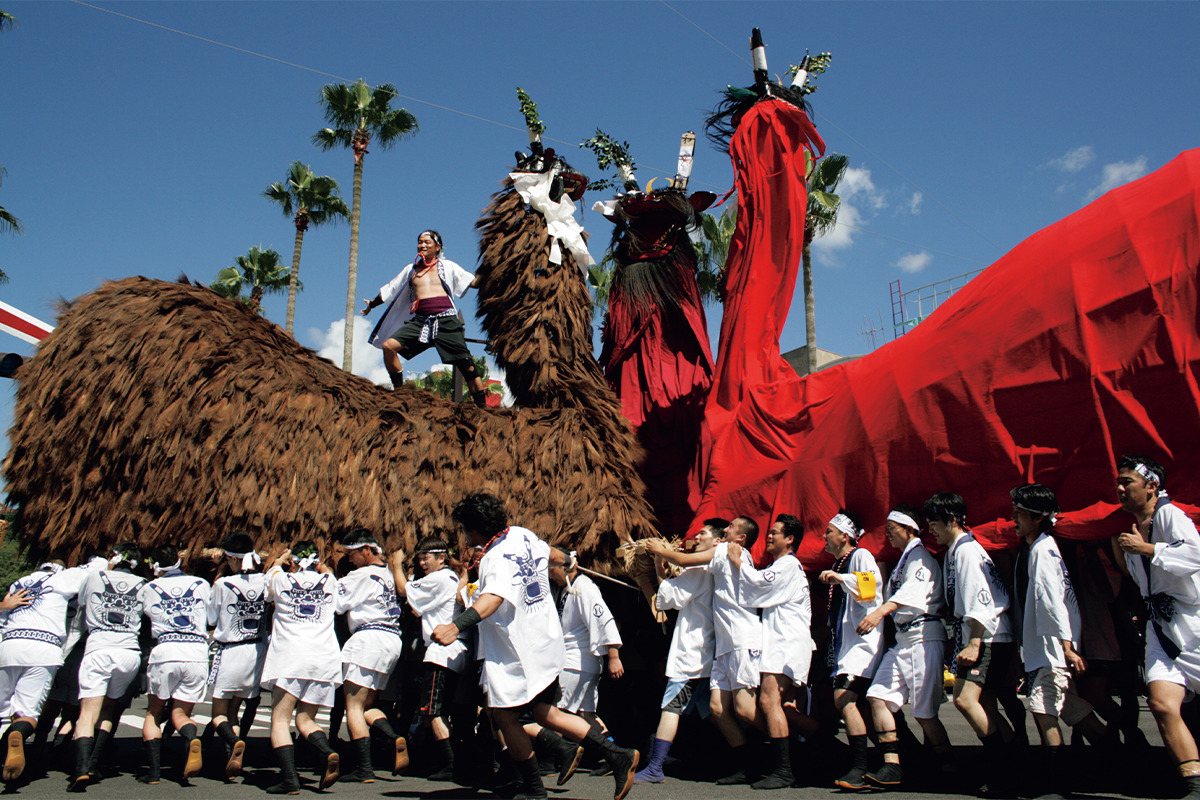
(357, 113)
(6, 20)
(260, 269)
(309, 200)
(819, 219)
(712, 251)
(8, 223)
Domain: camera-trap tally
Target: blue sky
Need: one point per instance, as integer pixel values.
(136, 150)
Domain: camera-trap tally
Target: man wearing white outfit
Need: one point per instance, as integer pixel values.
(521, 640)
(781, 591)
(369, 655)
(689, 659)
(911, 669)
(738, 636)
(852, 656)
(177, 671)
(112, 656)
(236, 609)
(304, 663)
(32, 652)
(983, 649)
(1162, 555)
(591, 641)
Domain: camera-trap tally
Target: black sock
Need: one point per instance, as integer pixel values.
(83, 754)
(362, 749)
(248, 712)
(289, 778)
(385, 729)
(153, 759)
(445, 752)
(22, 727)
(397, 379)
(225, 731)
(320, 742)
(189, 731)
(102, 739)
(858, 751)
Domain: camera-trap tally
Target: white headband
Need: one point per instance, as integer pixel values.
(361, 545)
(1147, 473)
(117, 558)
(163, 570)
(307, 561)
(249, 560)
(51, 567)
(900, 518)
(1053, 515)
(846, 526)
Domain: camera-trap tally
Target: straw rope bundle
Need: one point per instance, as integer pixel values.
(639, 566)
(162, 413)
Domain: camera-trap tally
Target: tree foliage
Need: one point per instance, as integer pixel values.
(259, 270)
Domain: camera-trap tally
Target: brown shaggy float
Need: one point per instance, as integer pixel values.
(162, 413)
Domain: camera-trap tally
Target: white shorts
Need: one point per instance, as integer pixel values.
(737, 669)
(23, 690)
(319, 693)
(911, 674)
(237, 670)
(361, 676)
(108, 673)
(374, 650)
(1050, 693)
(1184, 671)
(580, 690)
(177, 680)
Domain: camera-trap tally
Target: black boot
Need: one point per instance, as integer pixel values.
(83, 757)
(289, 779)
(397, 379)
(195, 752)
(531, 783)
(780, 776)
(445, 755)
(480, 398)
(14, 743)
(235, 750)
(363, 772)
(738, 756)
(399, 747)
(153, 762)
(889, 775)
(1001, 780)
(856, 778)
(1052, 785)
(507, 781)
(1193, 786)
(103, 737)
(331, 767)
(566, 753)
(622, 762)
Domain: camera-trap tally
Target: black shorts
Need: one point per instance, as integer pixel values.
(451, 342)
(852, 683)
(437, 688)
(994, 669)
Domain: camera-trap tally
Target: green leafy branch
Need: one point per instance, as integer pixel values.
(529, 108)
(609, 153)
(814, 65)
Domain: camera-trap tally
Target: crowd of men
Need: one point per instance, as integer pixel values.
(513, 642)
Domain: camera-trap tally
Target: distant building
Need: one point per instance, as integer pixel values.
(798, 359)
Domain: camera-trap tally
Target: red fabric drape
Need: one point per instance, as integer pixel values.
(1079, 345)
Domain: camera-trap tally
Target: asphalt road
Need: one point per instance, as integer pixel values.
(1126, 773)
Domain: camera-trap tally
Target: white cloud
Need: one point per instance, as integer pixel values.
(1117, 174)
(1075, 160)
(914, 205)
(849, 220)
(368, 360)
(914, 262)
(857, 184)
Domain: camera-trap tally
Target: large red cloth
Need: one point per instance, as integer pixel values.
(1079, 345)
(658, 361)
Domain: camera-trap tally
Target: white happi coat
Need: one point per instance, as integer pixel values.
(455, 281)
(177, 606)
(974, 591)
(692, 644)
(522, 641)
(373, 616)
(1050, 610)
(735, 625)
(916, 586)
(858, 654)
(112, 609)
(781, 591)
(588, 627)
(237, 606)
(434, 598)
(1173, 590)
(35, 633)
(303, 644)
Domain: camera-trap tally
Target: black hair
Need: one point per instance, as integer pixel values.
(482, 513)
(164, 556)
(946, 506)
(751, 530)
(359, 536)
(910, 510)
(130, 552)
(433, 544)
(1133, 461)
(437, 237)
(1036, 498)
(237, 542)
(721, 124)
(793, 527)
(717, 523)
